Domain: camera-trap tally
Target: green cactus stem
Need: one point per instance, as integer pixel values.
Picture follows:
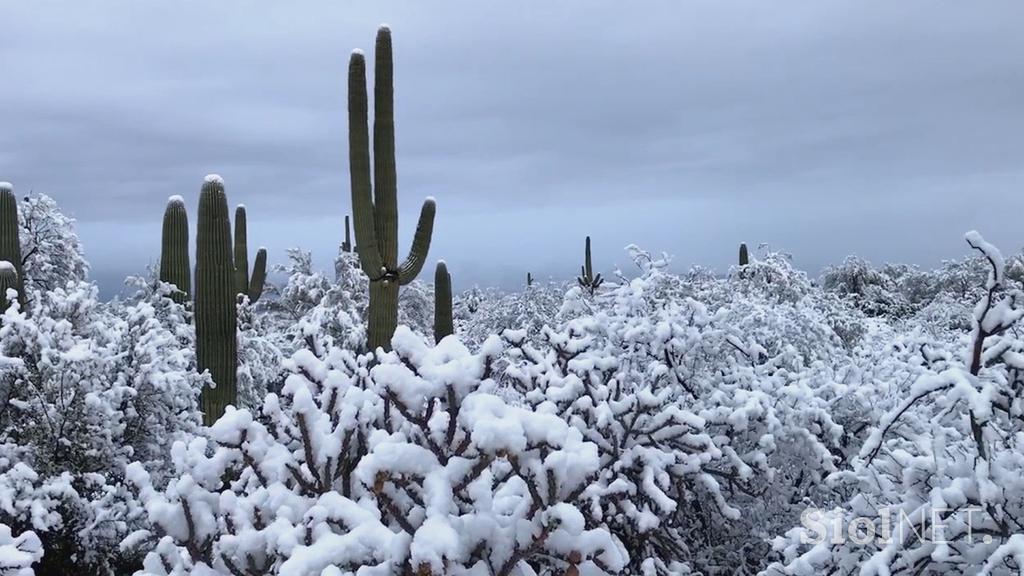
(375, 203)
(346, 246)
(744, 257)
(587, 280)
(244, 284)
(175, 266)
(443, 323)
(215, 313)
(10, 243)
(8, 280)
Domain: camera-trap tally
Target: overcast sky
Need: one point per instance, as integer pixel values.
(824, 128)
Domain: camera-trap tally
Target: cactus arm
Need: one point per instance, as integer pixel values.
(241, 251)
(443, 322)
(346, 246)
(420, 244)
(385, 177)
(359, 169)
(259, 276)
(589, 269)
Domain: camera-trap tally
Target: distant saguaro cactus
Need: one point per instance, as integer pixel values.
(253, 288)
(587, 279)
(375, 203)
(744, 257)
(10, 243)
(8, 280)
(215, 314)
(175, 265)
(346, 246)
(529, 279)
(443, 323)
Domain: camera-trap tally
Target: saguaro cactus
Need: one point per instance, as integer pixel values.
(443, 323)
(253, 288)
(375, 204)
(215, 313)
(8, 280)
(10, 244)
(529, 279)
(175, 265)
(744, 257)
(587, 279)
(346, 246)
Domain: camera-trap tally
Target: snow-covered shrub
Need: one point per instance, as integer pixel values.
(411, 465)
(314, 313)
(50, 247)
(939, 483)
(481, 314)
(872, 291)
(18, 553)
(85, 392)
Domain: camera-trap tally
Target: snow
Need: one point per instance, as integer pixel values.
(6, 266)
(6, 187)
(176, 199)
(558, 431)
(213, 179)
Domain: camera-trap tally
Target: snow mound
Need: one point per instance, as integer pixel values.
(176, 199)
(6, 187)
(213, 179)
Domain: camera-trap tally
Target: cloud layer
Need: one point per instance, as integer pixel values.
(823, 128)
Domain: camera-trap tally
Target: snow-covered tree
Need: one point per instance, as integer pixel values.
(939, 483)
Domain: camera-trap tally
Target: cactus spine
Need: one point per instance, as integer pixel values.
(8, 280)
(744, 257)
(10, 243)
(215, 313)
(375, 204)
(346, 246)
(587, 280)
(251, 287)
(175, 267)
(443, 323)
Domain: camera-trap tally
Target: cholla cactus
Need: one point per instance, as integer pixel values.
(443, 323)
(375, 204)
(175, 267)
(587, 279)
(10, 243)
(215, 312)
(253, 288)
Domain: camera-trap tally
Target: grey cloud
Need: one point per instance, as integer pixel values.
(885, 129)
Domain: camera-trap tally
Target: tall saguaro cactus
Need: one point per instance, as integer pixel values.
(253, 288)
(744, 256)
(375, 203)
(443, 323)
(215, 314)
(587, 279)
(10, 243)
(175, 265)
